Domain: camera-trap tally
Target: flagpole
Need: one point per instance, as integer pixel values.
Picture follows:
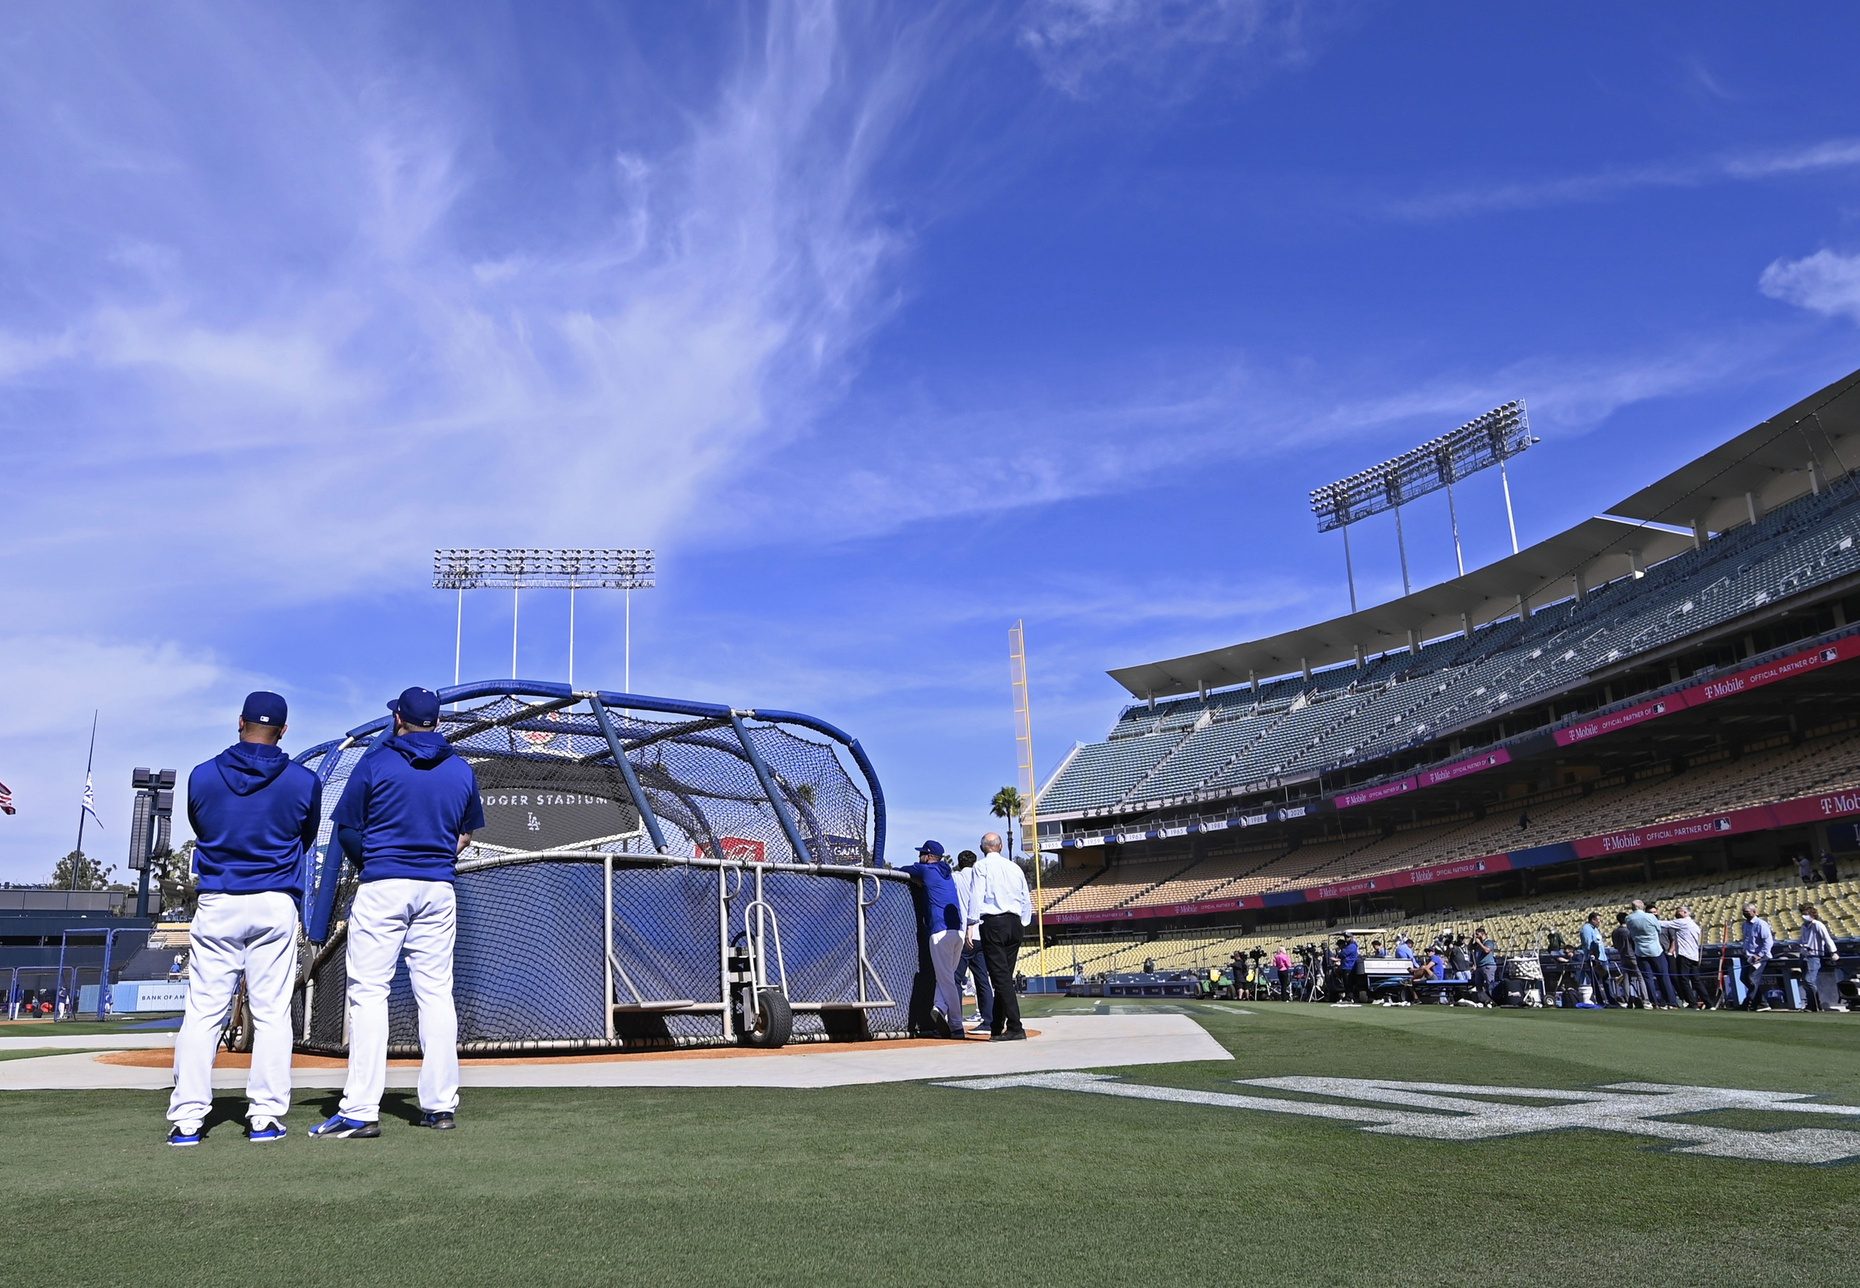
(90, 761)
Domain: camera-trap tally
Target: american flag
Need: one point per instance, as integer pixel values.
(6, 800)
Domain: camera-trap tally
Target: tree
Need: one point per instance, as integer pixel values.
(78, 871)
(179, 885)
(1008, 805)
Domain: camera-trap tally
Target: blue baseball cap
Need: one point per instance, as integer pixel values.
(264, 708)
(931, 847)
(416, 706)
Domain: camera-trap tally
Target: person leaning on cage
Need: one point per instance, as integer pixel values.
(254, 814)
(1003, 906)
(944, 930)
(406, 814)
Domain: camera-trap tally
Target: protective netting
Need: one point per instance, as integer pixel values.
(529, 970)
(534, 967)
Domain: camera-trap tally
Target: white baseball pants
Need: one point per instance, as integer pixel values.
(945, 952)
(253, 934)
(387, 917)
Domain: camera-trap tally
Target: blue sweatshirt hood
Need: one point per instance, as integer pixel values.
(247, 766)
(423, 749)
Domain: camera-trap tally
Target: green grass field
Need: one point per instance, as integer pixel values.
(922, 1184)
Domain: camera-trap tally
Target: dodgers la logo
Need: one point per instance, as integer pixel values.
(1451, 1111)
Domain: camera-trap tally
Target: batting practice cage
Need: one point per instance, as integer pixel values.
(651, 873)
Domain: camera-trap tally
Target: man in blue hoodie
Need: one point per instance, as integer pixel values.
(942, 928)
(409, 808)
(254, 814)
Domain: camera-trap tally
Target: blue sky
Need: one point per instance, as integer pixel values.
(886, 325)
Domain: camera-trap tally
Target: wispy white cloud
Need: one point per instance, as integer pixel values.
(696, 298)
(1110, 441)
(1166, 47)
(1826, 282)
(1497, 196)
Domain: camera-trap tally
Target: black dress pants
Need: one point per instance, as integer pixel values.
(1001, 949)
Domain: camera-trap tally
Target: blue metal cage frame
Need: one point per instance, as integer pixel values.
(735, 896)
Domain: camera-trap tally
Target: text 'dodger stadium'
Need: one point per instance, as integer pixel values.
(651, 873)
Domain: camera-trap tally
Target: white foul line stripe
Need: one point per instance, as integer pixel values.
(1450, 1111)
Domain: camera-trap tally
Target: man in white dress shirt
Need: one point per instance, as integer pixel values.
(972, 960)
(999, 911)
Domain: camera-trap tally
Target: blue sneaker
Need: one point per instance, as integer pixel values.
(440, 1121)
(264, 1129)
(180, 1138)
(340, 1128)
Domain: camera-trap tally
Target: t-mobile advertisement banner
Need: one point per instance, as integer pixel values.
(1370, 795)
(1155, 910)
(1614, 721)
(1446, 773)
(1463, 768)
(1411, 877)
(1712, 690)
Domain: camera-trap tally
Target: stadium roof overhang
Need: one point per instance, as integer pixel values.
(1787, 456)
(1792, 453)
(1590, 554)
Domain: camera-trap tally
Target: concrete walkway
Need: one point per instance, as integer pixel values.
(89, 1042)
(1064, 1042)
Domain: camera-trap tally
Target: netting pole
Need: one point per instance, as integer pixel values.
(62, 941)
(103, 980)
(631, 779)
(768, 786)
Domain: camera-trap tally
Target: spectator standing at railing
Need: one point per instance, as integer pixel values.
(1830, 870)
(1650, 958)
(1818, 952)
(1759, 944)
(1806, 866)
(1687, 936)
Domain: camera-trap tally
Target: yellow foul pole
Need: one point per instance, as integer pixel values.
(1030, 818)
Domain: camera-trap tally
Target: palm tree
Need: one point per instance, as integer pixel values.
(1008, 805)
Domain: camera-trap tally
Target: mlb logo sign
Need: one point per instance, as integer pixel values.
(541, 737)
(1721, 824)
(736, 849)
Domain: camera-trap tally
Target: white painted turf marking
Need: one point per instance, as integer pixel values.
(1456, 1112)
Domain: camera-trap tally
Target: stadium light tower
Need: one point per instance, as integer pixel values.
(461, 570)
(1479, 444)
